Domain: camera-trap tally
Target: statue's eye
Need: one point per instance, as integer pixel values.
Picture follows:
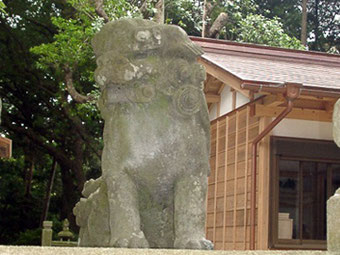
(157, 33)
(143, 36)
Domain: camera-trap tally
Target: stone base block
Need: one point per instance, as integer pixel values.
(37, 250)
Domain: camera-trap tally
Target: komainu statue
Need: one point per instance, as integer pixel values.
(155, 160)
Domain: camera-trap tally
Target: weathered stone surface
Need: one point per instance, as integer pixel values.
(156, 141)
(29, 250)
(333, 222)
(46, 234)
(336, 123)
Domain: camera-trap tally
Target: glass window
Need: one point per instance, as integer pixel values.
(289, 199)
(303, 186)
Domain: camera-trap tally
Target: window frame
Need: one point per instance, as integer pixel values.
(274, 242)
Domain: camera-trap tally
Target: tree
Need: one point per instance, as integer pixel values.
(261, 30)
(2, 7)
(322, 20)
(220, 17)
(40, 108)
(324, 23)
(186, 14)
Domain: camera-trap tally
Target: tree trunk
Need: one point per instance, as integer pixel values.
(304, 23)
(77, 167)
(70, 197)
(100, 10)
(218, 24)
(159, 16)
(316, 25)
(28, 179)
(204, 18)
(209, 29)
(48, 192)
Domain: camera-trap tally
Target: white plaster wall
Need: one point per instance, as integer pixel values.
(226, 100)
(226, 103)
(213, 112)
(241, 100)
(304, 129)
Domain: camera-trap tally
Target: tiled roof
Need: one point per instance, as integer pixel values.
(269, 65)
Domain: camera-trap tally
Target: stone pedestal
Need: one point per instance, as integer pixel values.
(46, 235)
(333, 223)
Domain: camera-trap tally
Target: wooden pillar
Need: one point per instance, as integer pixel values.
(235, 179)
(225, 182)
(263, 188)
(247, 172)
(216, 179)
(233, 100)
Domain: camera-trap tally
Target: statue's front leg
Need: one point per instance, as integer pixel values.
(124, 215)
(190, 195)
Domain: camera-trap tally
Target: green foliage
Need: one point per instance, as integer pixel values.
(323, 21)
(323, 25)
(2, 7)
(71, 46)
(29, 237)
(288, 11)
(244, 24)
(72, 43)
(237, 10)
(17, 212)
(186, 14)
(261, 30)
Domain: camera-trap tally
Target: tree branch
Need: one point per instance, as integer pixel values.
(218, 24)
(144, 9)
(62, 158)
(208, 7)
(79, 98)
(79, 128)
(100, 10)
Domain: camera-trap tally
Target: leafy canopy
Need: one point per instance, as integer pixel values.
(2, 6)
(258, 29)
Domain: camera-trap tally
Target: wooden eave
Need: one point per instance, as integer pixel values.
(319, 91)
(305, 109)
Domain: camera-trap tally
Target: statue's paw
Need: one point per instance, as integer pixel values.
(194, 244)
(135, 241)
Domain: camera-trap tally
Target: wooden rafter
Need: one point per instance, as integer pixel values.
(212, 98)
(221, 88)
(224, 77)
(273, 100)
(296, 113)
(207, 83)
(314, 104)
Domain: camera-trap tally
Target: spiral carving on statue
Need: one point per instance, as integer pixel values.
(187, 100)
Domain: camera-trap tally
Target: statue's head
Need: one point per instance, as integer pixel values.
(128, 49)
(139, 60)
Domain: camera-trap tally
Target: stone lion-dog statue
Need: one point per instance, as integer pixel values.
(155, 160)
